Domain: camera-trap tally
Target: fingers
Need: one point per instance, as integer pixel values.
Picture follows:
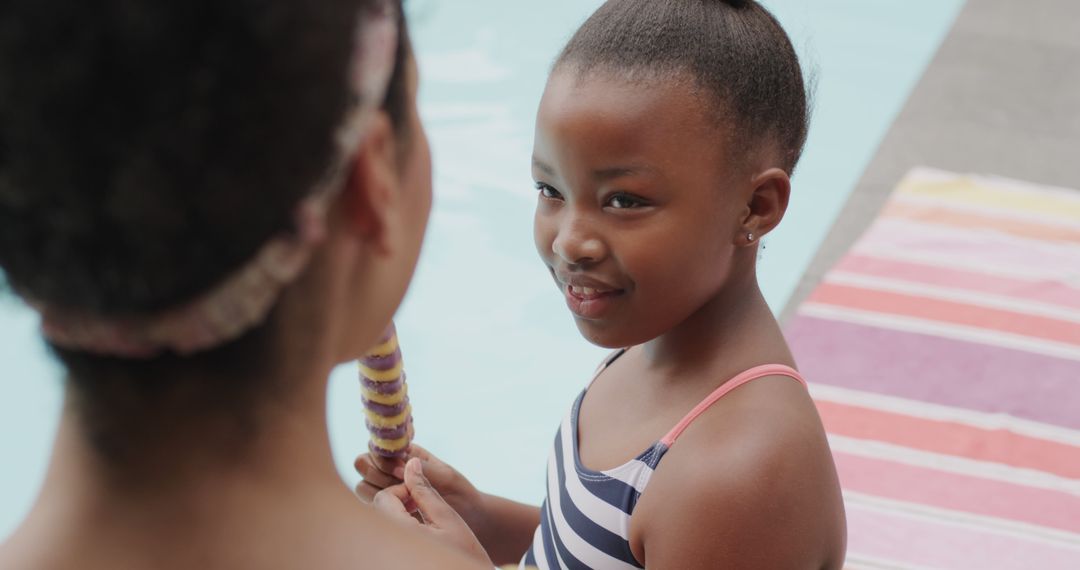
(442, 476)
(434, 468)
(378, 471)
(432, 513)
(393, 467)
(392, 502)
(438, 515)
(428, 501)
(417, 451)
(366, 491)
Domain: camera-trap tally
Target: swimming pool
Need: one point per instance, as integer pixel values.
(494, 359)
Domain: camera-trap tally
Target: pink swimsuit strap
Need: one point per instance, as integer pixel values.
(749, 375)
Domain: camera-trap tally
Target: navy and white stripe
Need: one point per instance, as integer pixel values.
(585, 520)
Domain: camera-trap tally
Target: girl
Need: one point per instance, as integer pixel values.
(211, 203)
(664, 146)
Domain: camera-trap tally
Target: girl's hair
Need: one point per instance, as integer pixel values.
(147, 149)
(735, 50)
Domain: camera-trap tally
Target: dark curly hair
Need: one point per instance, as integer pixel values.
(735, 49)
(147, 149)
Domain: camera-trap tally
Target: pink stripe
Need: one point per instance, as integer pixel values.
(749, 375)
(937, 370)
(957, 492)
(939, 544)
(982, 248)
(1050, 292)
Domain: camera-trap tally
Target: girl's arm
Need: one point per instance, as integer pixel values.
(509, 528)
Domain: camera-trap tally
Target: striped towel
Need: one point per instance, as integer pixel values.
(944, 355)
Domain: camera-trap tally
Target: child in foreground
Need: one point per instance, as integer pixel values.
(665, 143)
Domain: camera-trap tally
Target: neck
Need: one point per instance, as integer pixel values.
(209, 475)
(733, 331)
(211, 485)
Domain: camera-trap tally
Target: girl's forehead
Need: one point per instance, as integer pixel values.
(607, 114)
(623, 91)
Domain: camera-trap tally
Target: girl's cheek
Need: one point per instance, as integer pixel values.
(542, 235)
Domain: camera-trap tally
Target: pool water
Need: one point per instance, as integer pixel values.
(494, 359)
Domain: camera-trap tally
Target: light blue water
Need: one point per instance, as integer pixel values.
(494, 359)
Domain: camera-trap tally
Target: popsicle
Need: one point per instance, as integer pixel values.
(387, 411)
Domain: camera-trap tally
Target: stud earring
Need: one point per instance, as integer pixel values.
(750, 237)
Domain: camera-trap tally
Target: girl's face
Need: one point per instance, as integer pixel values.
(638, 216)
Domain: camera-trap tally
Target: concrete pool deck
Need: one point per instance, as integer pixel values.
(1001, 97)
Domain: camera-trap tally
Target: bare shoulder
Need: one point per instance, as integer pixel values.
(373, 543)
(24, 549)
(750, 483)
(10, 557)
(411, 550)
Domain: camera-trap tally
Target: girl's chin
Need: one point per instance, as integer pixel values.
(603, 336)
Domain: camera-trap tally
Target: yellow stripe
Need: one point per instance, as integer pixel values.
(392, 444)
(382, 375)
(385, 349)
(388, 399)
(968, 191)
(385, 422)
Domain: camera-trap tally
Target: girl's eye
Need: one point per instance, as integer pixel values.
(548, 192)
(625, 201)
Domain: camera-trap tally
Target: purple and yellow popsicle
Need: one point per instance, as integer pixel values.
(386, 398)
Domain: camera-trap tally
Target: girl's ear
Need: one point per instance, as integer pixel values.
(370, 192)
(767, 204)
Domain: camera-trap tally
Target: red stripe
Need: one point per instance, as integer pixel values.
(947, 312)
(951, 438)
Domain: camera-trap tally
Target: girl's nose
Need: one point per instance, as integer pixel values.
(576, 245)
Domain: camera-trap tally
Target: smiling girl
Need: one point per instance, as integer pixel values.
(665, 143)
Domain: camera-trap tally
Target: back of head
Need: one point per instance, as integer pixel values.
(148, 150)
(735, 50)
(134, 133)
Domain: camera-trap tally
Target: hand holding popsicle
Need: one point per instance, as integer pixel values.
(443, 496)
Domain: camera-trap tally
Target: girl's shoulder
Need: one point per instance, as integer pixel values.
(765, 424)
(754, 468)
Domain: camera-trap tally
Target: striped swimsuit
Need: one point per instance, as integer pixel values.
(585, 520)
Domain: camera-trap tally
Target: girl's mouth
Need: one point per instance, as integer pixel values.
(588, 302)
